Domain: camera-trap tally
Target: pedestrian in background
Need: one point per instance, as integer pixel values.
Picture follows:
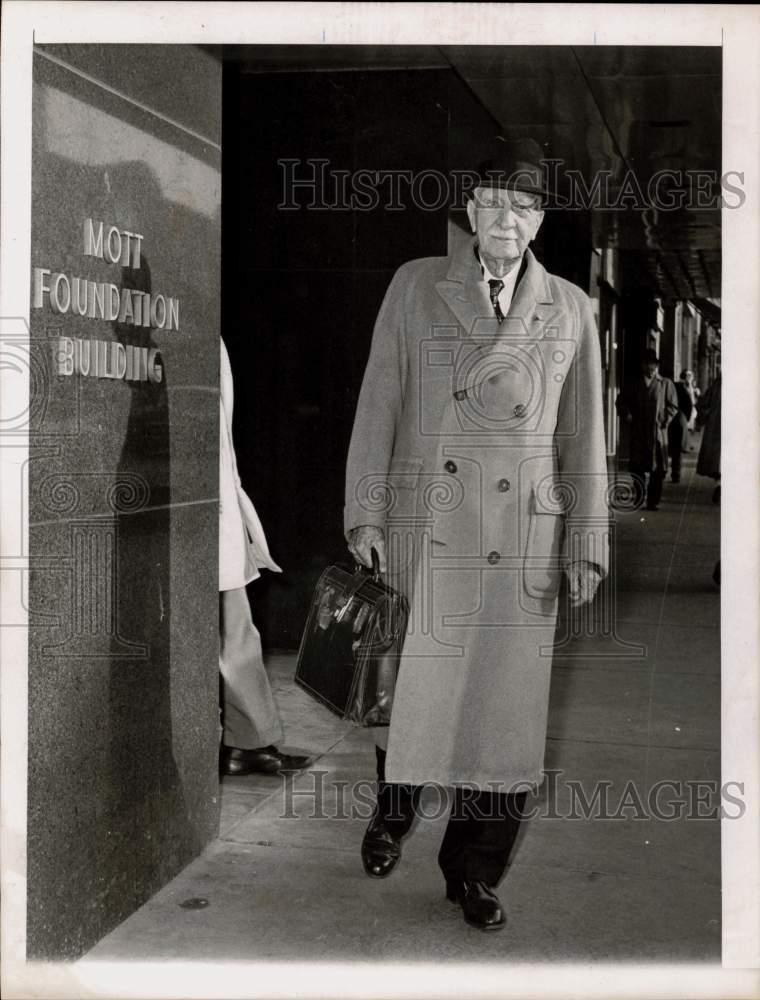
(678, 429)
(708, 461)
(693, 390)
(251, 723)
(648, 405)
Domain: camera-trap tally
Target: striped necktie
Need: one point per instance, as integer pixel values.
(496, 285)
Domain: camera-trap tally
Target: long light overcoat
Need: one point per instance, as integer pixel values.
(479, 448)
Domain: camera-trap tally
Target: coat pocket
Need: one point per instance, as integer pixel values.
(542, 567)
(403, 486)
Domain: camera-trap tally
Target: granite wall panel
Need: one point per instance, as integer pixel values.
(122, 483)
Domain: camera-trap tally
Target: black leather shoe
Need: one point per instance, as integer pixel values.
(480, 904)
(380, 849)
(262, 760)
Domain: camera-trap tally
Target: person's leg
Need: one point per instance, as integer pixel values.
(396, 804)
(639, 481)
(480, 835)
(380, 736)
(493, 830)
(250, 717)
(676, 432)
(451, 855)
(654, 489)
(475, 851)
(675, 471)
(391, 820)
(657, 475)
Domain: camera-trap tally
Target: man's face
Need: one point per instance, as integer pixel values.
(649, 368)
(505, 221)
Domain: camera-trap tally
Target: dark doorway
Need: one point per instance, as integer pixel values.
(302, 287)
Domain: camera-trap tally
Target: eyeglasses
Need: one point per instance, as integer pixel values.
(521, 202)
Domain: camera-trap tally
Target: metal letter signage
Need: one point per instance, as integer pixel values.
(103, 300)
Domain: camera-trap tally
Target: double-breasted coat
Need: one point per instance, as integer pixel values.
(478, 447)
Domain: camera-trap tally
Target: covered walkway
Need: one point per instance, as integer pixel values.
(284, 880)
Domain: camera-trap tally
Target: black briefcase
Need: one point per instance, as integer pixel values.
(350, 649)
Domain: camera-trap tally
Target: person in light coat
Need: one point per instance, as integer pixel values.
(477, 471)
(251, 723)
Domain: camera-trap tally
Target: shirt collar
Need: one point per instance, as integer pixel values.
(509, 279)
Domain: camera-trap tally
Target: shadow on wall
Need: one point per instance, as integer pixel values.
(143, 779)
(123, 726)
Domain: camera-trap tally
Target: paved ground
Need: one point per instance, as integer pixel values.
(284, 880)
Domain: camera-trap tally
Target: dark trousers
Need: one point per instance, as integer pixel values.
(480, 833)
(675, 464)
(650, 484)
(678, 442)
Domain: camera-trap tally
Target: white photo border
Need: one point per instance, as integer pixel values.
(734, 27)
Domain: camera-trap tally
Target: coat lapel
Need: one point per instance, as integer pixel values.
(467, 295)
(531, 304)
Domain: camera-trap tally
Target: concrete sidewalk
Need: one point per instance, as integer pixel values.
(284, 880)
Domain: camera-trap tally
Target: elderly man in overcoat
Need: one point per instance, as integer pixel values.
(477, 471)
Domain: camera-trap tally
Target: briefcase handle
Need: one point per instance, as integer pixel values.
(375, 571)
(357, 581)
(375, 565)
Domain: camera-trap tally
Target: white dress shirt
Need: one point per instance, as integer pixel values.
(509, 279)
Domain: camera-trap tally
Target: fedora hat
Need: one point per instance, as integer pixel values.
(514, 164)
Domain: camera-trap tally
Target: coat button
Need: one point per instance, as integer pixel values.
(503, 485)
(519, 410)
(450, 467)
(460, 394)
(494, 557)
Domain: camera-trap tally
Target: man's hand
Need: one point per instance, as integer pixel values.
(583, 579)
(362, 540)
